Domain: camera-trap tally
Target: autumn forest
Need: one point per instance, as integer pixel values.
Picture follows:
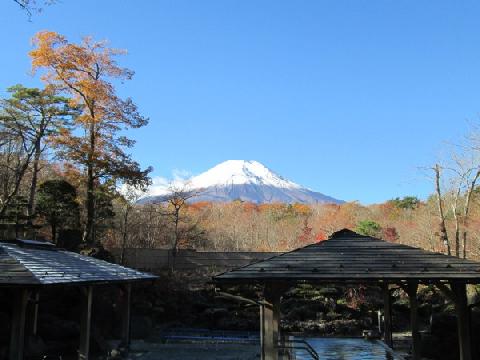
(66, 175)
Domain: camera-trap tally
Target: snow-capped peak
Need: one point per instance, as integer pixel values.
(240, 172)
(238, 179)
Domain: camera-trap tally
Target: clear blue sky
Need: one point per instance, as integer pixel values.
(345, 97)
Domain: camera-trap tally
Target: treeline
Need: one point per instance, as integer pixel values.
(242, 226)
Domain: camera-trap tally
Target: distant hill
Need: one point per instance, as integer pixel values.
(247, 181)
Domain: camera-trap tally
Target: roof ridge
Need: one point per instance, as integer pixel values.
(345, 232)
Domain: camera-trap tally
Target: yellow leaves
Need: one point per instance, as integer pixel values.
(302, 209)
(44, 54)
(82, 68)
(85, 71)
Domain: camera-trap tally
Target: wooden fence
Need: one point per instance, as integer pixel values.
(160, 259)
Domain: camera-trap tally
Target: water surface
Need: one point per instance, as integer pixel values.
(347, 349)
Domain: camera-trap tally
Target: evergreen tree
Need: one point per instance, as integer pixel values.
(57, 203)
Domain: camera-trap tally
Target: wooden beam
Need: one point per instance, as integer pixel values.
(463, 320)
(416, 340)
(85, 323)
(126, 314)
(238, 298)
(17, 336)
(387, 315)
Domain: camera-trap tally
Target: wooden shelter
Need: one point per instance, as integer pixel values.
(350, 258)
(27, 267)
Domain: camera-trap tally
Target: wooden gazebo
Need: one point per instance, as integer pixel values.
(350, 258)
(27, 267)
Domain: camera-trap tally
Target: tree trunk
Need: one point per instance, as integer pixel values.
(457, 237)
(466, 210)
(125, 233)
(175, 240)
(18, 180)
(89, 236)
(54, 232)
(89, 225)
(443, 228)
(33, 185)
(457, 222)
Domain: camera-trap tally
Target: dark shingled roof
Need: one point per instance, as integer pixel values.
(30, 264)
(351, 257)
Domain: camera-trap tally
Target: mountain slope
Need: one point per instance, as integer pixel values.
(248, 181)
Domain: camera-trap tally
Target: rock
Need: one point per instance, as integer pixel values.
(115, 354)
(216, 312)
(328, 291)
(371, 334)
(301, 312)
(320, 315)
(333, 315)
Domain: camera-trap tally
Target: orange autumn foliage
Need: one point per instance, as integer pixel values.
(250, 207)
(85, 71)
(198, 206)
(302, 209)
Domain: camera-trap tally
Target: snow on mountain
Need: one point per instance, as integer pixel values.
(240, 172)
(245, 180)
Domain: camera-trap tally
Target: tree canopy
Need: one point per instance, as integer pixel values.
(368, 228)
(33, 116)
(86, 72)
(57, 203)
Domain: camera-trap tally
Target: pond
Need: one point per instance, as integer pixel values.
(204, 344)
(347, 349)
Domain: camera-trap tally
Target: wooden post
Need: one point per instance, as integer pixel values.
(387, 316)
(17, 336)
(416, 340)
(126, 314)
(276, 319)
(36, 298)
(262, 332)
(85, 323)
(463, 320)
(271, 318)
(269, 350)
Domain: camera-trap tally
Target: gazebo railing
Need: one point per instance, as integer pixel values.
(298, 344)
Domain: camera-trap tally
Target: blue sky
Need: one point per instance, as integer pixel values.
(346, 97)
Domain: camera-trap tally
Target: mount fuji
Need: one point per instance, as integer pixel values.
(245, 180)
